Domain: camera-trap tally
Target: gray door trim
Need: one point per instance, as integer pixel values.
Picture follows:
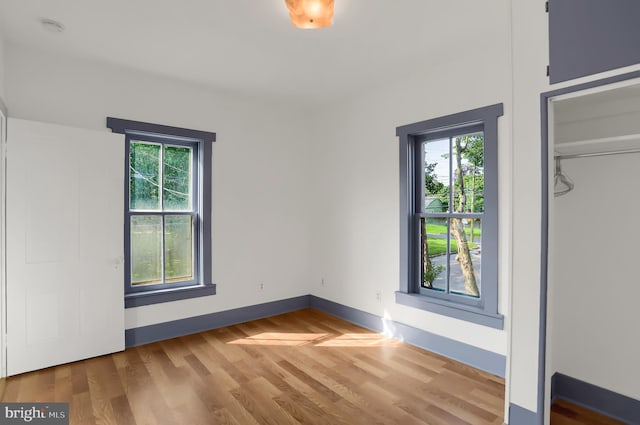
(544, 231)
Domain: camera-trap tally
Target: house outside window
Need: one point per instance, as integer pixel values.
(449, 215)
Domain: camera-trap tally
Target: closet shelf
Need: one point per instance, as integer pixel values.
(599, 146)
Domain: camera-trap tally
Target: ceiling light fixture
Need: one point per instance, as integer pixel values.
(310, 13)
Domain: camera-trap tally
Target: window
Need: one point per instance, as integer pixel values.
(167, 212)
(162, 219)
(449, 215)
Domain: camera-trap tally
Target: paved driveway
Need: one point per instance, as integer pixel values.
(455, 273)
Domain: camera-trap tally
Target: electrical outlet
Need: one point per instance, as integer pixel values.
(379, 295)
(322, 281)
(260, 286)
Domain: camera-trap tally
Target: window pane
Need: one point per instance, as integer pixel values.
(434, 253)
(465, 261)
(468, 173)
(146, 249)
(177, 178)
(178, 238)
(144, 176)
(436, 176)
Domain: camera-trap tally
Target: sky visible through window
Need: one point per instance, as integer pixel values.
(439, 149)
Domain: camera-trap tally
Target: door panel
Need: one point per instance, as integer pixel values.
(64, 245)
(591, 36)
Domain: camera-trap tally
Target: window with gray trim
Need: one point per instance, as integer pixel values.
(162, 220)
(167, 212)
(449, 215)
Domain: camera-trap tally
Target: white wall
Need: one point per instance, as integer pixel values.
(2, 67)
(530, 58)
(596, 284)
(260, 226)
(356, 200)
(529, 25)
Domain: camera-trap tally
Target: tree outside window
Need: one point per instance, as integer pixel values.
(453, 232)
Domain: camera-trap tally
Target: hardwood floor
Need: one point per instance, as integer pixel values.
(302, 367)
(565, 413)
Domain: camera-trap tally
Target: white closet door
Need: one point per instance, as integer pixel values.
(65, 296)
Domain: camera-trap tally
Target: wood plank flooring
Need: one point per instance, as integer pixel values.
(565, 413)
(304, 367)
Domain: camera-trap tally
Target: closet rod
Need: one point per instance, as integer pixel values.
(586, 155)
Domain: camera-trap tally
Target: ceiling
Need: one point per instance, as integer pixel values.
(250, 46)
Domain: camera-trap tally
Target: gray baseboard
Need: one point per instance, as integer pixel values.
(465, 353)
(468, 354)
(190, 325)
(521, 416)
(598, 399)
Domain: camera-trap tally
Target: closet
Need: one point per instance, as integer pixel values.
(593, 316)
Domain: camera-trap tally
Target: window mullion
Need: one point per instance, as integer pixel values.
(195, 179)
(418, 193)
(451, 215)
(161, 187)
(451, 210)
(161, 177)
(127, 217)
(196, 260)
(420, 206)
(163, 266)
(145, 212)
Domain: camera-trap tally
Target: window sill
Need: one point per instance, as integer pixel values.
(167, 295)
(447, 308)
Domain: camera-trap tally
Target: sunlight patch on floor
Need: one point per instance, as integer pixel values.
(359, 340)
(294, 339)
(280, 338)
